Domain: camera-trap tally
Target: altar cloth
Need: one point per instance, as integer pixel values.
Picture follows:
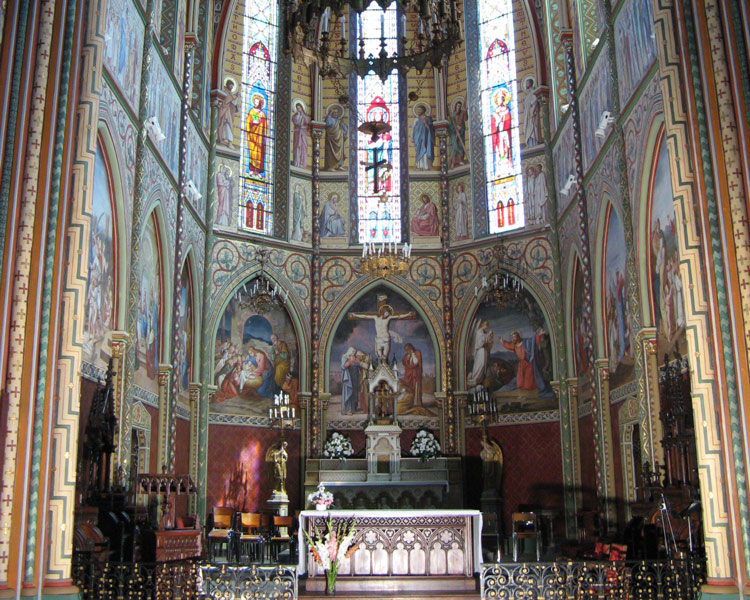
(454, 533)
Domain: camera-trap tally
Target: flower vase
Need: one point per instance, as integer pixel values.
(320, 507)
(330, 582)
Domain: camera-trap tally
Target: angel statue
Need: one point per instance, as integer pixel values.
(492, 464)
(276, 458)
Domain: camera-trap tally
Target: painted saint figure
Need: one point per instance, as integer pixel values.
(457, 135)
(332, 224)
(412, 362)
(423, 136)
(257, 132)
(525, 351)
(425, 222)
(461, 213)
(225, 115)
(500, 127)
(299, 212)
(349, 381)
(484, 338)
(301, 124)
(336, 130)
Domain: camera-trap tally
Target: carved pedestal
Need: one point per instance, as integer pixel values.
(383, 452)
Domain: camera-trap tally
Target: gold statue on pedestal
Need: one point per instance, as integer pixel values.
(276, 459)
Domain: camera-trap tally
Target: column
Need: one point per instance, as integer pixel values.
(164, 376)
(195, 399)
(317, 430)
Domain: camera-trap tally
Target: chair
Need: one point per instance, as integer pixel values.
(251, 538)
(282, 536)
(525, 526)
(219, 535)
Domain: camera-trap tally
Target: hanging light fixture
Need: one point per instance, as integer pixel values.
(260, 294)
(316, 32)
(503, 283)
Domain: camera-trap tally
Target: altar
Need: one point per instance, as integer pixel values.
(399, 545)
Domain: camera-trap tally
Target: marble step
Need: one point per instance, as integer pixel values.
(394, 587)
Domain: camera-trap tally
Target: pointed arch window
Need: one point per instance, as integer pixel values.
(258, 116)
(499, 91)
(379, 212)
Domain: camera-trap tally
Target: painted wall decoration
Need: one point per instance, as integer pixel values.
(667, 291)
(381, 319)
(595, 98)
(423, 136)
(509, 354)
(333, 213)
(100, 285)
(426, 220)
(227, 182)
(578, 333)
(458, 151)
(300, 217)
(461, 222)
(532, 127)
(635, 46)
(123, 50)
(179, 45)
(185, 329)
(563, 156)
(300, 133)
(617, 327)
(196, 164)
(148, 329)
(164, 104)
(535, 194)
(254, 355)
(226, 115)
(336, 128)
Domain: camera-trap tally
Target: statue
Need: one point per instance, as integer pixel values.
(276, 458)
(492, 465)
(382, 320)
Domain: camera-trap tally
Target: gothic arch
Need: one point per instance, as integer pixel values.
(574, 264)
(293, 308)
(337, 312)
(462, 330)
(155, 213)
(599, 267)
(189, 263)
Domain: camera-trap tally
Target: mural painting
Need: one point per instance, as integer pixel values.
(381, 323)
(509, 354)
(164, 104)
(563, 157)
(634, 44)
(458, 152)
(535, 194)
(227, 184)
(100, 285)
(300, 133)
(596, 98)
(123, 31)
(226, 113)
(334, 213)
(256, 356)
(461, 222)
(667, 295)
(300, 224)
(617, 327)
(196, 159)
(423, 137)
(335, 138)
(185, 334)
(148, 328)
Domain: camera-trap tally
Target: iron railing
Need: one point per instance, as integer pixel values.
(182, 579)
(593, 580)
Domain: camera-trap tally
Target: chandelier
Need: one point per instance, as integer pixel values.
(385, 260)
(503, 284)
(261, 295)
(316, 32)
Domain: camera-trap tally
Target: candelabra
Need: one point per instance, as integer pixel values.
(281, 413)
(385, 260)
(482, 407)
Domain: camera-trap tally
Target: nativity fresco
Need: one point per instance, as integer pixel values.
(509, 355)
(100, 285)
(667, 295)
(617, 325)
(255, 357)
(381, 326)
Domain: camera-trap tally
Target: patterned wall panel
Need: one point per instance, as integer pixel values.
(196, 163)
(123, 52)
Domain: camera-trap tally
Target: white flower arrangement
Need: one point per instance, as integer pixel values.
(338, 446)
(320, 497)
(425, 445)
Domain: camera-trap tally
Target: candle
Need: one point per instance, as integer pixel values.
(292, 412)
(382, 26)
(342, 20)
(364, 250)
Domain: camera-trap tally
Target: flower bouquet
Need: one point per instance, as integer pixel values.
(338, 446)
(320, 498)
(331, 548)
(424, 445)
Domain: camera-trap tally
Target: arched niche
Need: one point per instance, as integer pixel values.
(344, 330)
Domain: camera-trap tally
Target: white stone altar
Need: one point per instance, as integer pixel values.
(401, 544)
(383, 452)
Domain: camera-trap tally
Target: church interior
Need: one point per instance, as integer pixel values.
(466, 276)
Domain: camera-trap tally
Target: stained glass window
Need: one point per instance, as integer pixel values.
(379, 211)
(258, 117)
(499, 90)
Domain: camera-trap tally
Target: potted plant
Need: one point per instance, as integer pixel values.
(320, 499)
(424, 445)
(338, 446)
(331, 548)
